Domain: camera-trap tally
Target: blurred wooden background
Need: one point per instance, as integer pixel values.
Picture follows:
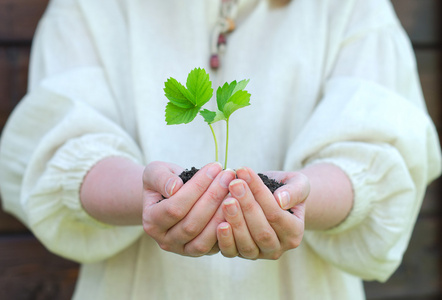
(29, 271)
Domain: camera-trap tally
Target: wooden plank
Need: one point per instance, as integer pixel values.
(9, 224)
(433, 198)
(29, 271)
(420, 19)
(429, 67)
(430, 73)
(418, 277)
(14, 62)
(19, 18)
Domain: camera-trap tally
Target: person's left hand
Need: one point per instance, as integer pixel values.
(258, 225)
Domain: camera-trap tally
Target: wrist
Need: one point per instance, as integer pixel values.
(331, 196)
(112, 191)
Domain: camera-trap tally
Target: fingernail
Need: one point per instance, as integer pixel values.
(231, 208)
(244, 174)
(237, 188)
(170, 185)
(284, 199)
(227, 176)
(224, 230)
(214, 169)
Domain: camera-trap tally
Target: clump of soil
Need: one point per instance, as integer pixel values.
(186, 175)
(272, 184)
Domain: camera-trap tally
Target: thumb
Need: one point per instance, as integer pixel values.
(163, 178)
(294, 192)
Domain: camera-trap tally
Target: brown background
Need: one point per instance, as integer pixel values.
(29, 271)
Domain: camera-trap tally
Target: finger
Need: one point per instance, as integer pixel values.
(261, 230)
(295, 183)
(201, 244)
(284, 225)
(168, 213)
(244, 241)
(226, 241)
(295, 191)
(288, 228)
(259, 190)
(214, 250)
(162, 177)
(203, 210)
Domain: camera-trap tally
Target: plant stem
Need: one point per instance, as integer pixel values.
(227, 142)
(216, 143)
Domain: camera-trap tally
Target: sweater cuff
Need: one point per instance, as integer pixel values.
(54, 209)
(75, 160)
(365, 165)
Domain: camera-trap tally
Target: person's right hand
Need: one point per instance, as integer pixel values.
(185, 223)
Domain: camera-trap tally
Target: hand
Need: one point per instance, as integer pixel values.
(186, 222)
(256, 225)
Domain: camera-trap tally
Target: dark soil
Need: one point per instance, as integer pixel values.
(272, 184)
(186, 175)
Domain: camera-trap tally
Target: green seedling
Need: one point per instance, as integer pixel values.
(185, 102)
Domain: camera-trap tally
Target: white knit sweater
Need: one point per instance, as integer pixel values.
(331, 81)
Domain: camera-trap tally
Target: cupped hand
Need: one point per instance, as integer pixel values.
(185, 223)
(258, 225)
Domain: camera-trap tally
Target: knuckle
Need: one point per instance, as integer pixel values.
(190, 229)
(199, 249)
(265, 237)
(149, 229)
(248, 251)
(174, 212)
(165, 246)
(275, 217)
(293, 243)
(275, 255)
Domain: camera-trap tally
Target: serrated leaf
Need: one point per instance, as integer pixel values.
(241, 85)
(219, 116)
(179, 115)
(238, 100)
(224, 93)
(200, 86)
(212, 117)
(208, 115)
(178, 94)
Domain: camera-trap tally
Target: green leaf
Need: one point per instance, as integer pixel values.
(208, 115)
(219, 116)
(224, 93)
(200, 86)
(238, 100)
(241, 85)
(178, 94)
(179, 115)
(212, 117)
